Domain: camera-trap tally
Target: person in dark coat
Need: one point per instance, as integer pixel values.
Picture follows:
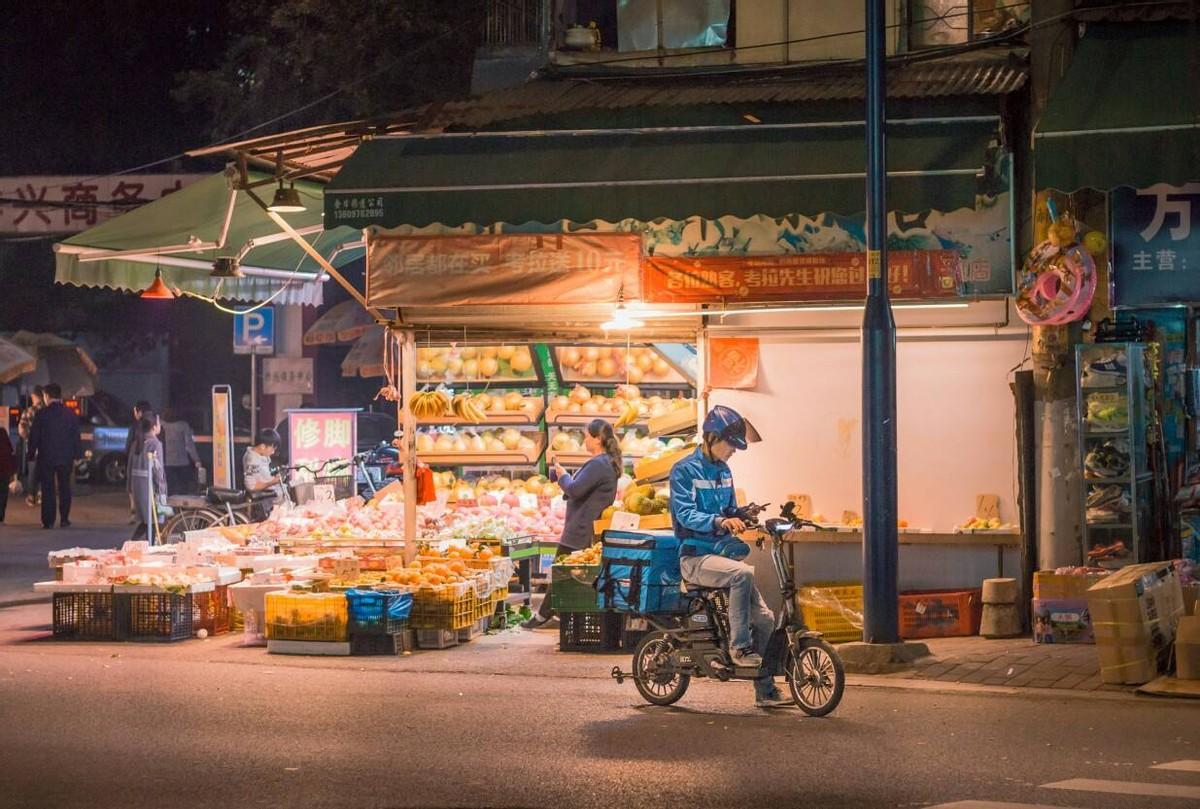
(149, 483)
(55, 444)
(8, 469)
(588, 492)
(134, 437)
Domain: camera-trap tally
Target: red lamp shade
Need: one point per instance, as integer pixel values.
(157, 291)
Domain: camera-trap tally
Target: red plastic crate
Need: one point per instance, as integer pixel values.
(940, 613)
(211, 611)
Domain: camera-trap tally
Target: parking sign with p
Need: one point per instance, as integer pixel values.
(254, 332)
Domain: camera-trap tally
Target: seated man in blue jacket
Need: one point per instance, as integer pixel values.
(707, 526)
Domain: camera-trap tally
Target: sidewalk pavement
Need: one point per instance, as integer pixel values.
(1014, 663)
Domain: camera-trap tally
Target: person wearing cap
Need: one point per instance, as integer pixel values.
(705, 513)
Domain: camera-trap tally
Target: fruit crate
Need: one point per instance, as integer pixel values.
(833, 609)
(590, 631)
(450, 607)
(572, 588)
(436, 638)
(378, 612)
(160, 617)
(940, 613)
(90, 616)
(306, 616)
(212, 612)
(391, 644)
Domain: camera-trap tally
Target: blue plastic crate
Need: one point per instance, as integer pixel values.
(377, 612)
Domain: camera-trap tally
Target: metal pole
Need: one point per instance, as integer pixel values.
(880, 596)
(253, 393)
(408, 387)
(1023, 394)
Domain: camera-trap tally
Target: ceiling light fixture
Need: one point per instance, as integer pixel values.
(286, 200)
(226, 267)
(621, 319)
(157, 291)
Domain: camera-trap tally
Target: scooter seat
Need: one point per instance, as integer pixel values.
(695, 590)
(222, 496)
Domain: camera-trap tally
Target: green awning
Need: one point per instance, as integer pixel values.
(1126, 113)
(184, 232)
(648, 174)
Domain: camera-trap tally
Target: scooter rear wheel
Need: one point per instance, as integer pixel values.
(657, 687)
(815, 677)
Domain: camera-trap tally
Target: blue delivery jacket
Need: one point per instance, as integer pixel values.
(701, 492)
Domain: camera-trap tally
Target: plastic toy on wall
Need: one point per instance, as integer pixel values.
(1057, 283)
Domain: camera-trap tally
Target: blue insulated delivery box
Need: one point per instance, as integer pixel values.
(639, 572)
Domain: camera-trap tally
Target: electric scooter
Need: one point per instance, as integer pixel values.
(696, 644)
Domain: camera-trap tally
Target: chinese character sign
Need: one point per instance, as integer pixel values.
(56, 204)
(1156, 244)
(317, 436)
(222, 406)
(287, 375)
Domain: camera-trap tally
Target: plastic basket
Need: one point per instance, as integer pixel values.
(450, 607)
(572, 588)
(590, 631)
(212, 611)
(834, 610)
(377, 612)
(940, 613)
(390, 644)
(89, 616)
(306, 616)
(159, 616)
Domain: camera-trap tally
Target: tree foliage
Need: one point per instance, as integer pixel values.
(368, 56)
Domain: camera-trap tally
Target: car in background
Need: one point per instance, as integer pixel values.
(104, 422)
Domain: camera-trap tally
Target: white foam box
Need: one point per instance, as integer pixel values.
(309, 647)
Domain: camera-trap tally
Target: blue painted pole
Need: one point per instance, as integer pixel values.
(880, 565)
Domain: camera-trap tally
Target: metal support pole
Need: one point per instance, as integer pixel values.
(408, 387)
(880, 551)
(253, 393)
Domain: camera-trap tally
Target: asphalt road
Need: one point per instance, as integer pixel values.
(196, 726)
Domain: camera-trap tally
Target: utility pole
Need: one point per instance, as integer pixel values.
(880, 552)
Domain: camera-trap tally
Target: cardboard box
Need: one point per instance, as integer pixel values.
(1187, 648)
(1134, 614)
(1048, 585)
(1062, 620)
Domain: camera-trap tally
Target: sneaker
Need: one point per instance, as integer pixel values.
(1106, 496)
(1106, 461)
(1117, 550)
(536, 622)
(773, 700)
(745, 658)
(1105, 372)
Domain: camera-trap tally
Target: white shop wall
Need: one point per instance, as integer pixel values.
(956, 425)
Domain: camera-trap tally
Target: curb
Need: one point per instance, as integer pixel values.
(973, 689)
(24, 602)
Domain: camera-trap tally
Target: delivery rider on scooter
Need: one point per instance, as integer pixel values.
(707, 524)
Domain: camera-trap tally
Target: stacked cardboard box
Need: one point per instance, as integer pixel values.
(1060, 608)
(1134, 615)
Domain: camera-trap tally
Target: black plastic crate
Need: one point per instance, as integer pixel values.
(590, 631)
(211, 611)
(160, 616)
(393, 644)
(89, 616)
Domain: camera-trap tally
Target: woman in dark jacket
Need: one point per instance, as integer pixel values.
(8, 468)
(147, 476)
(588, 492)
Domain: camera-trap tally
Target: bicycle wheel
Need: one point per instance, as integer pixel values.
(195, 519)
(658, 687)
(815, 677)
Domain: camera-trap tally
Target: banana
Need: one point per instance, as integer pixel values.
(629, 416)
(429, 404)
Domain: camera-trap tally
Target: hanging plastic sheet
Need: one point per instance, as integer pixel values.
(685, 24)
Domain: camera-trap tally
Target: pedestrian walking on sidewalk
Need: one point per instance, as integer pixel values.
(8, 470)
(29, 479)
(180, 456)
(147, 478)
(55, 445)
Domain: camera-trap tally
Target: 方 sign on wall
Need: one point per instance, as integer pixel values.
(1156, 244)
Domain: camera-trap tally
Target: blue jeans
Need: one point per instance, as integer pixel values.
(751, 621)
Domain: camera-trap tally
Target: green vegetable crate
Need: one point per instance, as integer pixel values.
(571, 588)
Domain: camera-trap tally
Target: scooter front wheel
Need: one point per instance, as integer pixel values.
(655, 680)
(815, 676)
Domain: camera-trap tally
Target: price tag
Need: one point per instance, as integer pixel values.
(527, 500)
(346, 568)
(624, 521)
(324, 493)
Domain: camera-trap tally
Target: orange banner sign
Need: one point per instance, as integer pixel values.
(733, 362)
(516, 269)
(796, 277)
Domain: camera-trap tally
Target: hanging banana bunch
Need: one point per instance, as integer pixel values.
(464, 407)
(429, 404)
(630, 415)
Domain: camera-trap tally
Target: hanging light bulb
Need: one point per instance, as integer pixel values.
(621, 319)
(286, 200)
(157, 291)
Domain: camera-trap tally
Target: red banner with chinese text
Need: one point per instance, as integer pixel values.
(317, 436)
(797, 277)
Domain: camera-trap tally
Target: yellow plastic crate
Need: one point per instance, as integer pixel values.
(306, 616)
(835, 610)
(446, 607)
